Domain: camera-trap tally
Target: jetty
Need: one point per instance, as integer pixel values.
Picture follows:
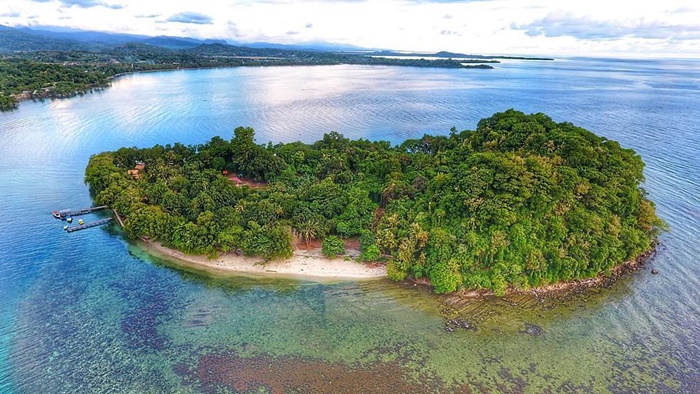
(65, 213)
(88, 225)
(119, 218)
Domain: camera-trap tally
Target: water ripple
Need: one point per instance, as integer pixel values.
(80, 313)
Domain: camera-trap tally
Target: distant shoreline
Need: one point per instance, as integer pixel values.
(27, 95)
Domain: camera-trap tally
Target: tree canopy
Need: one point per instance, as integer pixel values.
(520, 201)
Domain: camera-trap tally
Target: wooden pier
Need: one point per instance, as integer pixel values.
(119, 218)
(89, 225)
(66, 213)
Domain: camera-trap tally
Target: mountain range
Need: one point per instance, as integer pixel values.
(51, 38)
(64, 39)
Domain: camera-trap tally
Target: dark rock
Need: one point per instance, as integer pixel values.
(452, 324)
(532, 330)
(654, 271)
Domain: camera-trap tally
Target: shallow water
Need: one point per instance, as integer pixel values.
(87, 312)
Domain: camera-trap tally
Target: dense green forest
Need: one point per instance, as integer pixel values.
(45, 80)
(53, 74)
(521, 201)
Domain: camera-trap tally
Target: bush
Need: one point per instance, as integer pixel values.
(367, 239)
(332, 246)
(395, 272)
(445, 277)
(371, 254)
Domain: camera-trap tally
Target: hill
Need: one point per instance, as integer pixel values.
(13, 40)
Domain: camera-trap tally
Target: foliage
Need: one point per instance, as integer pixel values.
(520, 201)
(45, 80)
(372, 253)
(333, 246)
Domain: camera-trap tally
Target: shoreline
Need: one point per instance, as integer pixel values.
(574, 286)
(27, 96)
(312, 265)
(309, 265)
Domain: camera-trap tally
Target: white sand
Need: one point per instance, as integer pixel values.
(305, 264)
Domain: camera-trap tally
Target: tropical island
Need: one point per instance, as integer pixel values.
(520, 202)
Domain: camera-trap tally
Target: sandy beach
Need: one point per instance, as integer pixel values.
(304, 264)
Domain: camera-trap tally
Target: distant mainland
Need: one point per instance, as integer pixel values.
(521, 202)
(39, 64)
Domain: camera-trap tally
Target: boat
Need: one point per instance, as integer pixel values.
(69, 219)
(62, 214)
(80, 222)
(66, 213)
(65, 228)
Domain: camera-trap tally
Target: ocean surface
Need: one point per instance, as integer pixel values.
(88, 312)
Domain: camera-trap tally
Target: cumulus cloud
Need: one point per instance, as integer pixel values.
(11, 14)
(146, 16)
(191, 17)
(587, 28)
(309, 25)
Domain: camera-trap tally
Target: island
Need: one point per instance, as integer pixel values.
(521, 202)
(453, 55)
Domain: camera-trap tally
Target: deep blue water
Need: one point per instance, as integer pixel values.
(87, 312)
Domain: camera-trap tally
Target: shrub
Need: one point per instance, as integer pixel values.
(371, 254)
(332, 246)
(395, 272)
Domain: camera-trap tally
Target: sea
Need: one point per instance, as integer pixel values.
(90, 312)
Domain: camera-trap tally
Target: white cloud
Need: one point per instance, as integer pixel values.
(497, 26)
(191, 17)
(10, 14)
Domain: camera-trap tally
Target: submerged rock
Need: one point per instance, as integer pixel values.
(532, 330)
(453, 324)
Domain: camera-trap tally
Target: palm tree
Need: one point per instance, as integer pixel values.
(308, 229)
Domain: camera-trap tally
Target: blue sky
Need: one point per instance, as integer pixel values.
(537, 27)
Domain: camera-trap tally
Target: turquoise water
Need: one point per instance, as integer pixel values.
(88, 312)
